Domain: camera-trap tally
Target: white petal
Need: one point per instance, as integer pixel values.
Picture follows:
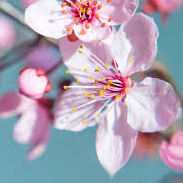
(45, 18)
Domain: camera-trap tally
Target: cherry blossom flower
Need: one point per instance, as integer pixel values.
(106, 93)
(33, 124)
(89, 19)
(172, 154)
(165, 7)
(7, 33)
(34, 83)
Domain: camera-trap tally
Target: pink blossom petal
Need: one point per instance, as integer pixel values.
(10, 104)
(77, 62)
(45, 18)
(84, 108)
(177, 139)
(26, 3)
(94, 33)
(152, 105)
(114, 150)
(175, 164)
(135, 44)
(33, 127)
(176, 152)
(119, 10)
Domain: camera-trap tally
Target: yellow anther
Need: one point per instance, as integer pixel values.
(108, 86)
(65, 87)
(99, 90)
(103, 79)
(64, 12)
(99, 40)
(91, 79)
(83, 32)
(98, 115)
(94, 84)
(110, 20)
(105, 87)
(84, 122)
(103, 25)
(97, 70)
(101, 94)
(80, 51)
(81, 46)
(92, 95)
(86, 94)
(73, 109)
(67, 71)
(63, 5)
(127, 90)
(118, 96)
(99, 6)
(109, 1)
(77, 80)
(95, 3)
(131, 60)
(110, 81)
(85, 69)
(106, 64)
(69, 28)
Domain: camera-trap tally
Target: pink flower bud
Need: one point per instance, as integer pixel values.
(34, 83)
(172, 153)
(7, 33)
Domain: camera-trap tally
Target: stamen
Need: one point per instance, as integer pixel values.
(65, 87)
(103, 25)
(67, 71)
(64, 12)
(87, 26)
(73, 109)
(69, 28)
(63, 4)
(110, 20)
(99, 6)
(83, 32)
(84, 122)
(131, 60)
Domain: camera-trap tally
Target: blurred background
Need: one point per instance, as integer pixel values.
(71, 157)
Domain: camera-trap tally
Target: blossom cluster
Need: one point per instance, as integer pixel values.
(105, 91)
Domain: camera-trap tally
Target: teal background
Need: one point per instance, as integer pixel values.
(70, 157)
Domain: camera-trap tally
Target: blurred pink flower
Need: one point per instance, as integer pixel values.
(90, 20)
(105, 93)
(7, 33)
(165, 7)
(33, 124)
(27, 3)
(42, 56)
(34, 83)
(172, 153)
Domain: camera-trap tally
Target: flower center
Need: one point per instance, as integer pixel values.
(85, 12)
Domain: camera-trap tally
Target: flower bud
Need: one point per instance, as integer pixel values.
(34, 83)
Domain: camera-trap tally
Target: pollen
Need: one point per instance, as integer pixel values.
(85, 69)
(67, 71)
(110, 81)
(91, 79)
(98, 115)
(81, 46)
(77, 80)
(92, 95)
(64, 12)
(109, 1)
(80, 51)
(105, 87)
(99, 6)
(101, 94)
(63, 5)
(131, 60)
(97, 70)
(87, 26)
(65, 87)
(95, 3)
(73, 109)
(76, 20)
(118, 96)
(103, 79)
(108, 86)
(86, 94)
(97, 16)
(106, 64)
(83, 32)
(110, 20)
(127, 90)
(103, 25)
(84, 122)
(69, 28)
